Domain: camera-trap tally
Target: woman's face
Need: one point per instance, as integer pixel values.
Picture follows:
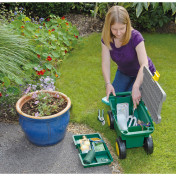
(118, 30)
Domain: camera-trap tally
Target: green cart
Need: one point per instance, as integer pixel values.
(148, 110)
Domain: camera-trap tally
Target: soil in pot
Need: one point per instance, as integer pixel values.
(31, 107)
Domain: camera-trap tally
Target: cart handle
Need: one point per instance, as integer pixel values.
(121, 93)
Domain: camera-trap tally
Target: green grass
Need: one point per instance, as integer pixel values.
(82, 80)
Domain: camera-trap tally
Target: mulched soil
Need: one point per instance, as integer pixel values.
(31, 107)
(85, 23)
(168, 28)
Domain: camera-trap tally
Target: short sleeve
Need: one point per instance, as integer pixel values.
(102, 40)
(136, 38)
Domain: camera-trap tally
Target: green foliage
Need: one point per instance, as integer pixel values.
(44, 10)
(43, 104)
(145, 16)
(80, 7)
(15, 53)
(100, 9)
(149, 20)
(51, 41)
(144, 5)
(3, 12)
(41, 9)
(142, 10)
(8, 99)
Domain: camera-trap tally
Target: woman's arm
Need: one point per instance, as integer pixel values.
(106, 70)
(143, 61)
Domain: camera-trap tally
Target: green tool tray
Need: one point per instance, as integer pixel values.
(101, 157)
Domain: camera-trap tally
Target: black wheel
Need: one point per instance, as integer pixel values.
(110, 120)
(148, 145)
(120, 148)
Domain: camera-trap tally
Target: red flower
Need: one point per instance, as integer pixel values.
(76, 36)
(63, 18)
(49, 30)
(0, 94)
(38, 55)
(49, 58)
(38, 72)
(65, 51)
(53, 30)
(66, 24)
(48, 19)
(22, 27)
(42, 72)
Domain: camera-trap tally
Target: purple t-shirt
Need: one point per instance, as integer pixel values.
(126, 57)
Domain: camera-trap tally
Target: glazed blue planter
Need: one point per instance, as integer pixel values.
(47, 130)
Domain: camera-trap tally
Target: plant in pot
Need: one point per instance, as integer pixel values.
(44, 114)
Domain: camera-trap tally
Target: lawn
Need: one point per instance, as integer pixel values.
(81, 79)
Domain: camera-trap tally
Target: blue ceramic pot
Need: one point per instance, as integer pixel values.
(47, 130)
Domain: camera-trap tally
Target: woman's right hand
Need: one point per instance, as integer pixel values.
(109, 90)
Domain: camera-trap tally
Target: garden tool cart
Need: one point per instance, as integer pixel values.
(134, 127)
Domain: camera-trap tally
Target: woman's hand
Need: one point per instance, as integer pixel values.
(136, 96)
(109, 90)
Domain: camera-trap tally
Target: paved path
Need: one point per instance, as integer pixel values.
(18, 155)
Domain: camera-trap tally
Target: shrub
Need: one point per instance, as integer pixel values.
(52, 40)
(38, 9)
(150, 20)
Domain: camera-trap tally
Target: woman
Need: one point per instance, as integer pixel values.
(125, 46)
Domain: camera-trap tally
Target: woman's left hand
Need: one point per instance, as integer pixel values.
(136, 96)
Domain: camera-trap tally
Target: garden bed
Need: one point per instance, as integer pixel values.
(85, 23)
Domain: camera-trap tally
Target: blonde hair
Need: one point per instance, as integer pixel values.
(116, 14)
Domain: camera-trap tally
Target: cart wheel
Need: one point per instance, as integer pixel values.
(120, 148)
(110, 120)
(148, 145)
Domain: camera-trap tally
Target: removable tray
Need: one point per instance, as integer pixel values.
(101, 157)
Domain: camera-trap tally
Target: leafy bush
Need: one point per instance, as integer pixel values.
(80, 7)
(149, 20)
(38, 9)
(52, 40)
(15, 52)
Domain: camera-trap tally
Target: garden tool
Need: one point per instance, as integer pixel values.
(101, 118)
(132, 120)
